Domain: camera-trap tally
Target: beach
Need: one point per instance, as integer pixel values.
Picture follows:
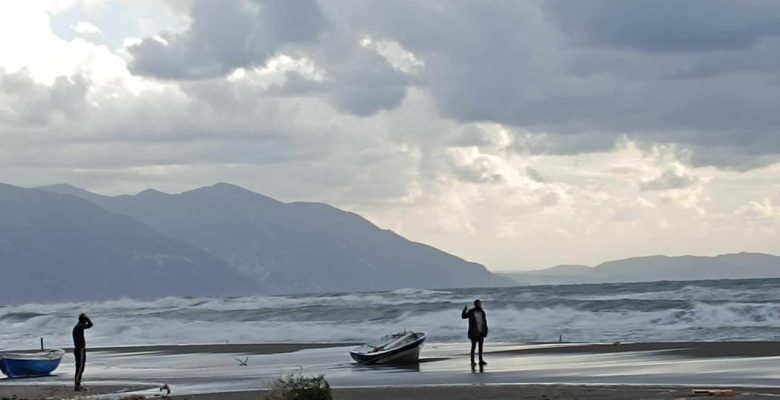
(514, 370)
(646, 341)
(508, 392)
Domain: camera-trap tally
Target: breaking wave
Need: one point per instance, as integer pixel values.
(658, 311)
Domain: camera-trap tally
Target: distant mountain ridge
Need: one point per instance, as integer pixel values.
(656, 268)
(295, 247)
(59, 247)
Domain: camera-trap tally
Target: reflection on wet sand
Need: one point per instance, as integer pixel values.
(213, 369)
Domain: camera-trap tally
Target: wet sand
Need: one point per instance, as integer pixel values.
(257, 349)
(515, 371)
(507, 392)
(689, 349)
(51, 391)
(451, 392)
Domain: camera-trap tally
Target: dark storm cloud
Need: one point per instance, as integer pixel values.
(704, 74)
(363, 82)
(225, 35)
(666, 25)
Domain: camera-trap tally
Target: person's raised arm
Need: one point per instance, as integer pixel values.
(87, 322)
(465, 313)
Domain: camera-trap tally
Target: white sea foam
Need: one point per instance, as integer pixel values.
(691, 292)
(637, 312)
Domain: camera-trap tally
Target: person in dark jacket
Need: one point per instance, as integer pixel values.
(80, 348)
(478, 328)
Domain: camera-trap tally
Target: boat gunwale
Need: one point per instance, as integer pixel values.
(377, 357)
(32, 355)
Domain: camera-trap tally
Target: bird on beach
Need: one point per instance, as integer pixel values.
(242, 363)
(167, 389)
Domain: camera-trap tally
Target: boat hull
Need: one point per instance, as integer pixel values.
(406, 354)
(26, 365)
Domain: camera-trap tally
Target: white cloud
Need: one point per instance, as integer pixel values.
(25, 26)
(761, 209)
(401, 59)
(86, 28)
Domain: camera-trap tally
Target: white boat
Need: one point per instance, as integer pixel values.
(397, 348)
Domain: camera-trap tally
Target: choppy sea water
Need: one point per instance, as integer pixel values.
(656, 311)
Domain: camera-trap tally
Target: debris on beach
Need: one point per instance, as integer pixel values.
(713, 392)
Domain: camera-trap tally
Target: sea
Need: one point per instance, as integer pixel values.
(715, 310)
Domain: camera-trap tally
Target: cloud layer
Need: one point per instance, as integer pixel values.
(697, 74)
(471, 126)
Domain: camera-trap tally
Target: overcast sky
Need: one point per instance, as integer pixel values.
(518, 134)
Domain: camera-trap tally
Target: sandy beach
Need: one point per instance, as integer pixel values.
(507, 392)
(515, 371)
(451, 392)
(58, 391)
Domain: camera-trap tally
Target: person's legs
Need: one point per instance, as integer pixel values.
(77, 356)
(481, 361)
(81, 360)
(473, 345)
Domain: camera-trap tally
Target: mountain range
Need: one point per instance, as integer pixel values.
(60, 247)
(62, 242)
(657, 268)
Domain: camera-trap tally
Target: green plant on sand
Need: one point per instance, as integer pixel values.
(299, 387)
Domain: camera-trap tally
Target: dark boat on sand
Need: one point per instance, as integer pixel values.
(397, 348)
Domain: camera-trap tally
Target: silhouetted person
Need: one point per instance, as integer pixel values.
(478, 328)
(80, 347)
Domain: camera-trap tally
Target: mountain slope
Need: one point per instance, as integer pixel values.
(655, 268)
(727, 266)
(57, 247)
(297, 247)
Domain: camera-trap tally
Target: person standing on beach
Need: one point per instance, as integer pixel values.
(478, 328)
(80, 348)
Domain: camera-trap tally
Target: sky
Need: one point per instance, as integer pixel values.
(517, 134)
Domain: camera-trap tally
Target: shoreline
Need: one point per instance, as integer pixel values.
(515, 370)
(216, 348)
(423, 392)
(510, 392)
(688, 348)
